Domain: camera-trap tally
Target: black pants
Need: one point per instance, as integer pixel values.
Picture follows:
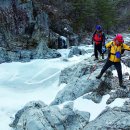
(98, 48)
(117, 66)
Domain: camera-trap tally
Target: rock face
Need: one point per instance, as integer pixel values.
(37, 115)
(117, 118)
(24, 32)
(80, 82)
(24, 24)
(74, 51)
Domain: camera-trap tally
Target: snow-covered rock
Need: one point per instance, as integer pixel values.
(80, 80)
(37, 115)
(117, 118)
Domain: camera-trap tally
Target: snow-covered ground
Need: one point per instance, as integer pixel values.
(39, 80)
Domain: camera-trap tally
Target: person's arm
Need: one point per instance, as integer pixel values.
(108, 45)
(93, 36)
(103, 40)
(92, 40)
(126, 47)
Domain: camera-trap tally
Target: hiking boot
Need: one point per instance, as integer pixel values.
(95, 59)
(102, 56)
(122, 85)
(98, 76)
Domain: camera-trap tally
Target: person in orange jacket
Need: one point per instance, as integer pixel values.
(115, 50)
(98, 39)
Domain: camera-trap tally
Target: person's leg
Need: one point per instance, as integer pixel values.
(100, 50)
(119, 72)
(105, 67)
(102, 55)
(95, 51)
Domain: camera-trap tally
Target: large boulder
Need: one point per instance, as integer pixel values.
(117, 118)
(37, 115)
(80, 80)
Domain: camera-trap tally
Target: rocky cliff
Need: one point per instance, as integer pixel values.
(24, 24)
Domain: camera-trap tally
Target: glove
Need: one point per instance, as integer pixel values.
(123, 61)
(103, 49)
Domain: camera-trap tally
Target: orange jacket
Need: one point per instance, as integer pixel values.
(98, 38)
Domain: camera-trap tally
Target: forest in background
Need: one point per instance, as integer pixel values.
(81, 15)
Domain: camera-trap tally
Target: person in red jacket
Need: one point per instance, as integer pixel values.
(98, 39)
